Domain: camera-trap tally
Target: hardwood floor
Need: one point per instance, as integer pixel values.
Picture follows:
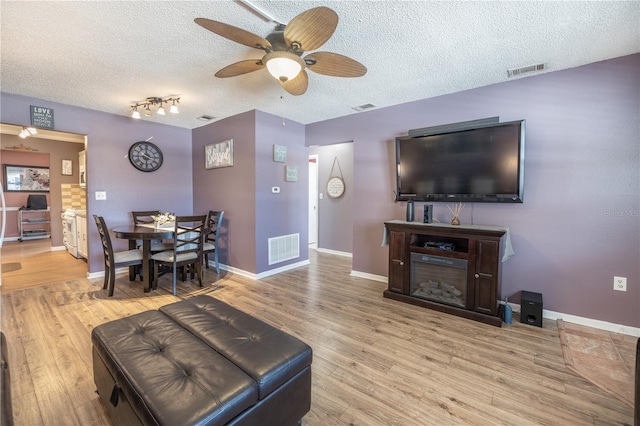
(38, 264)
(376, 361)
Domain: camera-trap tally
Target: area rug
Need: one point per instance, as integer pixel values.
(10, 267)
(604, 358)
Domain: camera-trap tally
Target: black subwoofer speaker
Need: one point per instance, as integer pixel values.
(531, 308)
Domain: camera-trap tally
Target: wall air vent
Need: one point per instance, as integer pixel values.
(205, 117)
(283, 248)
(364, 107)
(524, 70)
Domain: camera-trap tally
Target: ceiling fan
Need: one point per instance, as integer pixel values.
(284, 48)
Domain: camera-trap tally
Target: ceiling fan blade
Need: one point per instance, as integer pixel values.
(334, 64)
(298, 85)
(233, 33)
(239, 68)
(311, 29)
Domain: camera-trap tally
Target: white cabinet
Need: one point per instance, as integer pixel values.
(81, 223)
(82, 167)
(34, 224)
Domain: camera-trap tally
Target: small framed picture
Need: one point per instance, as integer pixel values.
(67, 167)
(291, 173)
(280, 153)
(218, 155)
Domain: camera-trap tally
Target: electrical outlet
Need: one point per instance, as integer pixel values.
(620, 283)
(101, 195)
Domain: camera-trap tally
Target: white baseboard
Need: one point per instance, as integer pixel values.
(339, 253)
(281, 269)
(369, 276)
(588, 322)
(602, 325)
(265, 274)
(58, 248)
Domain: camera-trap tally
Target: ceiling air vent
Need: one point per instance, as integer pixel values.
(364, 107)
(205, 117)
(529, 68)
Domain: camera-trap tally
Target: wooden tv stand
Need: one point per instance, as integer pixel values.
(452, 269)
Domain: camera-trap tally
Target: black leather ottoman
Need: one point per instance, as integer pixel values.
(200, 361)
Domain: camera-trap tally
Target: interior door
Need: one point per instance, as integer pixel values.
(313, 201)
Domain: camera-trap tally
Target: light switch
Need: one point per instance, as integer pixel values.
(101, 195)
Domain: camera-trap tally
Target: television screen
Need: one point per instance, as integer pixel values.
(483, 164)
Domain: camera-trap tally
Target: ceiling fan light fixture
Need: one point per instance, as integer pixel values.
(283, 66)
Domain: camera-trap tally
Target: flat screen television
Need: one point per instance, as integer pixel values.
(481, 164)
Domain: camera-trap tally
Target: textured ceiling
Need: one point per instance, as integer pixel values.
(104, 55)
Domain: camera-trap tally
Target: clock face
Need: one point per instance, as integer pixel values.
(145, 156)
(335, 187)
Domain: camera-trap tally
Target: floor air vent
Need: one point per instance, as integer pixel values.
(284, 248)
(523, 70)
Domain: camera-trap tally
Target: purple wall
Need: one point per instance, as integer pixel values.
(578, 227)
(109, 137)
(231, 189)
(252, 213)
(287, 212)
(580, 221)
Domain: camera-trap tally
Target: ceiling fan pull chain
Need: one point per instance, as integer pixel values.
(283, 123)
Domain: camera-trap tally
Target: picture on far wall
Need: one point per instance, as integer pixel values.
(218, 155)
(67, 167)
(26, 178)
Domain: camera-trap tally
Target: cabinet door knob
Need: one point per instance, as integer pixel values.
(477, 275)
(401, 263)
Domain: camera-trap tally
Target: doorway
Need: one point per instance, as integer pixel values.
(62, 149)
(313, 201)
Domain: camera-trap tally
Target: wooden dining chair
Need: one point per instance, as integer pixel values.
(144, 218)
(113, 260)
(189, 234)
(210, 245)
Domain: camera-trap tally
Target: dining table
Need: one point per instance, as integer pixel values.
(146, 234)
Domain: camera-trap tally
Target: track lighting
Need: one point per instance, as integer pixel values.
(27, 131)
(174, 107)
(157, 102)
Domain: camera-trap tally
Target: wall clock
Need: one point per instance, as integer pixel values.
(145, 156)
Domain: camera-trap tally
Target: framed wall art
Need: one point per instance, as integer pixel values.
(291, 173)
(218, 155)
(67, 167)
(26, 178)
(280, 153)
